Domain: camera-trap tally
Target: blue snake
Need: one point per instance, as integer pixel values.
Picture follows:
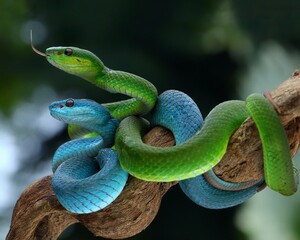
(87, 174)
(77, 182)
(192, 156)
(177, 112)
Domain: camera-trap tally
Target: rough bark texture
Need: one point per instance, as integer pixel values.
(243, 160)
(38, 214)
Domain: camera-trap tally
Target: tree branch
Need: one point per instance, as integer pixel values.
(38, 214)
(243, 160)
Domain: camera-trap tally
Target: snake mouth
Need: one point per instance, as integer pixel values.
(56, 116)
(55, 112)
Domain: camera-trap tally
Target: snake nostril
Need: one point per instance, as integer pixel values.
(61, 106)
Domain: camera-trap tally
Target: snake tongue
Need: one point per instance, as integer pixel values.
(34, 49)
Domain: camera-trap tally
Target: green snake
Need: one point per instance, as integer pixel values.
(193, 157)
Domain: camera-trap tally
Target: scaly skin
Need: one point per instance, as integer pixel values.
(78, 182)
(179, 113)
(88, 66)
(189, 159)
(203, 151)
(197, 155)
(280, 175)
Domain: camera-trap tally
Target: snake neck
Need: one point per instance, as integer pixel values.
(143, 93)
(106, 130)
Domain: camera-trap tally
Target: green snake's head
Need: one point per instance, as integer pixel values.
(79, 62)
(82, 112)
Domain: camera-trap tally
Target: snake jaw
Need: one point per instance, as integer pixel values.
(87, 114)
(73, 60)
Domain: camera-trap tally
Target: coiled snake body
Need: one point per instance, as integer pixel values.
(193, 155)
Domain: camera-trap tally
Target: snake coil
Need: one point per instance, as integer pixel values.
(198, 149)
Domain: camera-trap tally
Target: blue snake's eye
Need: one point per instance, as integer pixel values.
(68, 51)
(70, 103)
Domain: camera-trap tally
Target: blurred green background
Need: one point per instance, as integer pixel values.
(211, 50)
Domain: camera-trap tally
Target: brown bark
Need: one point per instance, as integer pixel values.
(243, 160)
(38, 214)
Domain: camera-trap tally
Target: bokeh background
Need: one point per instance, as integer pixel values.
(212, 50)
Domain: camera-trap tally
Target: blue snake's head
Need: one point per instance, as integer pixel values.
(76, 61)
(82, 112)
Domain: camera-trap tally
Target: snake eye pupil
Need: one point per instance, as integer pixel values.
(68, 51)
(70, 103)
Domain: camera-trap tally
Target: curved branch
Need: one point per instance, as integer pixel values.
(38, 214)
(128, 215)
(243, 160)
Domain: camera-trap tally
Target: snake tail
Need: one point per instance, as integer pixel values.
(204, 194)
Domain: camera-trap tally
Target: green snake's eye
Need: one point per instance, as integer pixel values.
(70, 103)
(68, 51)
